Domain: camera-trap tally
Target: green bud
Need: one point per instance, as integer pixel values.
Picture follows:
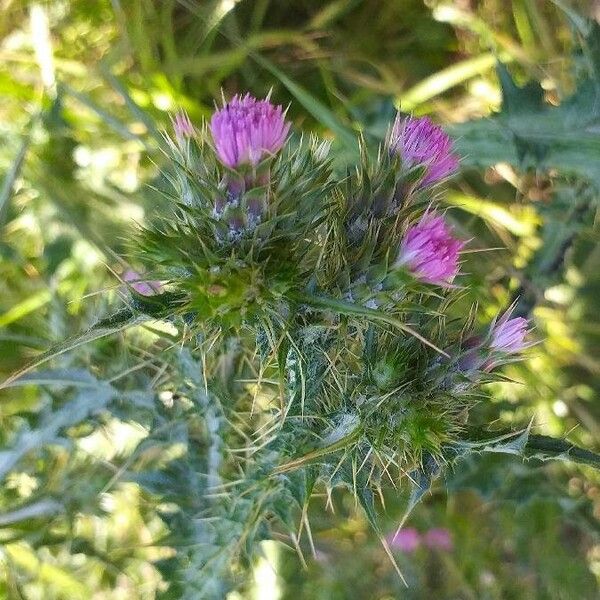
(388, 372)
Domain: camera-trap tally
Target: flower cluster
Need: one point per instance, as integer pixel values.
(245, 131)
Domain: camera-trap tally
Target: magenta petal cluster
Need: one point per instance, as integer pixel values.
(508, 335)
(406, 540)
(429, 251)
(246, 130)
(409, 539)
(143, 287)
(438, 538)
(419, 141)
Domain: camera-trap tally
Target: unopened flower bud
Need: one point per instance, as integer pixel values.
(508, 335)
(182, 126)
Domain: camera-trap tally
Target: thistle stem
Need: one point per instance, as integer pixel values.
(547, 447)
(544, 447)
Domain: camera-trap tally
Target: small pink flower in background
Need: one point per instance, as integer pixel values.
(429, 251)
(246, 130)
(419, 141)
(143, 287)
(438, 539)
(182, 126)
(508, 335)
(406, 540)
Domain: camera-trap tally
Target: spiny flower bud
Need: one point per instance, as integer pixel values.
(419, 141)
(245, 130)
(429, 251)
(508, 335)
(182, 126)
(141, 286)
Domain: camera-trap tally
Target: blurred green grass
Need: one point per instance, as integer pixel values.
(87, 88)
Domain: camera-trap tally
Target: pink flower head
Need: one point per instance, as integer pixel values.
(182, 126)
(143, 287)
(406, 540)
(438, 539)
(419, 141)
(429, 251)
(508, 335)
(247, 129)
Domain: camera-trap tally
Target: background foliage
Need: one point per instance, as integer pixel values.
(87, 88)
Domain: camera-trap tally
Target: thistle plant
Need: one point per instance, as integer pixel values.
(319, 324)
(317, 340)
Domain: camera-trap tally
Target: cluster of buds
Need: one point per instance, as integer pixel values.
(247, 136)
(505, 340)
(507, 335)
(334, 297)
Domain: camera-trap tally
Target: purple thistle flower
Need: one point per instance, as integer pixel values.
(429, 251)
(419, 141)
(508, 335)
(245, 130)
(406, 540)
(143, 287)
(182, 126)
(438, 539)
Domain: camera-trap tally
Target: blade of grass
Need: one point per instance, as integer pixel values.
(522, 223)
(25, 307)
(140, 114)
(118, 322)
(314, 106)
(332, 11)
(111, 121)
(465, 19)
(524, 29)
(11, 177)
(447, 78)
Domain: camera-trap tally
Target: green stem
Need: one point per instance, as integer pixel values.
(541, 447)
(546, 447)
